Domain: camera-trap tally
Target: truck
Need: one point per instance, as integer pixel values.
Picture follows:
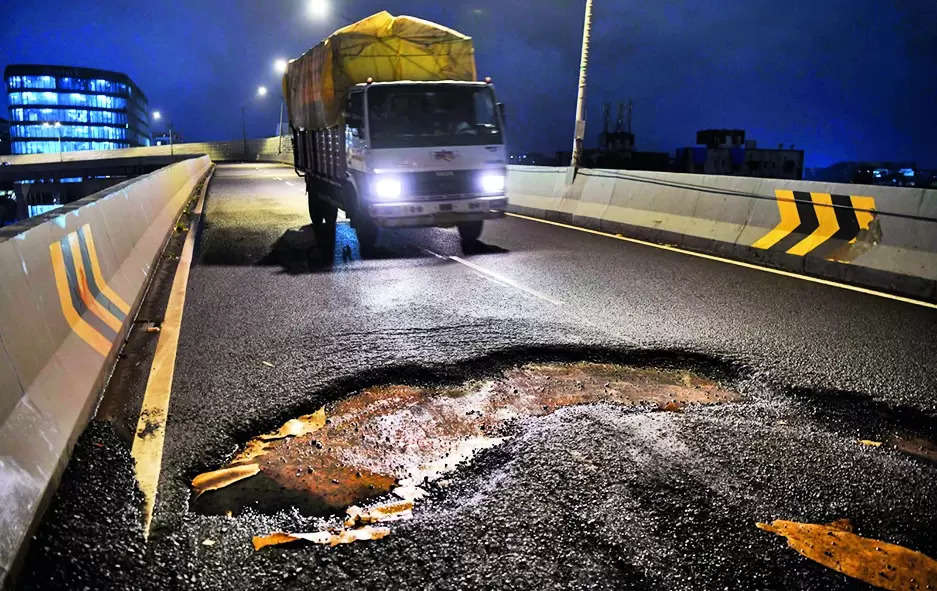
(390, 124)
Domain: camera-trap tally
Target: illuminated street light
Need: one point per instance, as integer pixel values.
(280, 66)
(261, 91)
(318, 9)
(157, 116)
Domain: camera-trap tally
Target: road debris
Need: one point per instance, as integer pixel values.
(870, 443)
(222, 478)
(916, 446)
(379, 513)
(342, 536)
(208, 542)
(878, 563)
(267, 363)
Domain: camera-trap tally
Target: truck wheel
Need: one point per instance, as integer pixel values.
(470, 231)
(364, 226)
(367, 233)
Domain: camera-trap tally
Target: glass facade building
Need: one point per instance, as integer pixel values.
(60, 108)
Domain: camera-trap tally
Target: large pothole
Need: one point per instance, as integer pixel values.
(398, 438)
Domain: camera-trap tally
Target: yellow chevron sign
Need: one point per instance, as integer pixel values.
(810, 219)
(92, 309)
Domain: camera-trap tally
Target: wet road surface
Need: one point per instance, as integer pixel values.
(589, 496)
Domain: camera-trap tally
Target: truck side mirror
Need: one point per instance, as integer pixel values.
(504, 118)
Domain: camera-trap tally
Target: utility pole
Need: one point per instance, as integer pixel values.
(280, 127)
(581, 100)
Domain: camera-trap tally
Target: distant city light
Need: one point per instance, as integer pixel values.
(156, 115)
(318, 9)
(261, 91)
(280, 66)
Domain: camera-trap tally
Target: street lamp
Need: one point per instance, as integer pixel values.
(58, 129)
(280, 66)
(318, 9)
(156, 117)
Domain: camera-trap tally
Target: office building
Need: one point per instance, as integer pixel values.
(61, 108)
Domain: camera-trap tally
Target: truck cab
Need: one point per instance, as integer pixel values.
(412, 153)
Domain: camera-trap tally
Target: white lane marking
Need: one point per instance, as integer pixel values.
(711, 257)
(496, 276)
(147, 450)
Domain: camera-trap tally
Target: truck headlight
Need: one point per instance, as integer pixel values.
(492, 183)
(388, 188)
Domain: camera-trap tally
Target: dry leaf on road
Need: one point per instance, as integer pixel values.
(884, 565)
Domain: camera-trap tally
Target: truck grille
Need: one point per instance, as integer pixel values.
(433, 184)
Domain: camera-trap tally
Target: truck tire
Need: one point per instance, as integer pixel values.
(364, 226)
(367, 232)
(470, 231)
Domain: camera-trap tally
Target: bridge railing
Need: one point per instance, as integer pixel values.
(72, 281)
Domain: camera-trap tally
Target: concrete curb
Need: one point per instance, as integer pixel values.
(893, 244)
(72, 284)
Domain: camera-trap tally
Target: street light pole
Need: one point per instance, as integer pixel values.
(58, 129)
(280, 128)
(581, 100)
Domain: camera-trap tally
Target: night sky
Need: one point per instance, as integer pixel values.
(842, 79)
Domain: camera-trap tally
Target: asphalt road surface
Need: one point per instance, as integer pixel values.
(588, 496)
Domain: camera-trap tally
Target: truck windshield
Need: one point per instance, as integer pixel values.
(432, 115)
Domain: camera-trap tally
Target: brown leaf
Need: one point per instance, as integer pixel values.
(345, 536)
(378, 513)
(884, 565)
(222, 478)
(368, 532)
(274, 539)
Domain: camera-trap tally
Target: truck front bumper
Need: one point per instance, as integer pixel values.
(437, 213)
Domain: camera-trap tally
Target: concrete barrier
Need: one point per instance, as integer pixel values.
(869, 235)
(271, 149)
(72, 280)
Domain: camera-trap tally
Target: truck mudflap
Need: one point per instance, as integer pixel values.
(437, 213)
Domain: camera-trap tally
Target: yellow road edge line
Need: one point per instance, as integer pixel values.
(98, 276)
(147, 450)
(85, 331)
(711, 257)
(84, 291)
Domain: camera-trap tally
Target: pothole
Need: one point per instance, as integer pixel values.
(397, 438)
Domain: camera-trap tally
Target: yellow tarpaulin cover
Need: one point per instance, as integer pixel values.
(382, 47)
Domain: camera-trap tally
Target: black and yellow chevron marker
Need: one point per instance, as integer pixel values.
(82, 289)
(811, 219)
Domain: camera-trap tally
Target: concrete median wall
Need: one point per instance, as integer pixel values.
(271, 149)
(879, 237)
(72, 280)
